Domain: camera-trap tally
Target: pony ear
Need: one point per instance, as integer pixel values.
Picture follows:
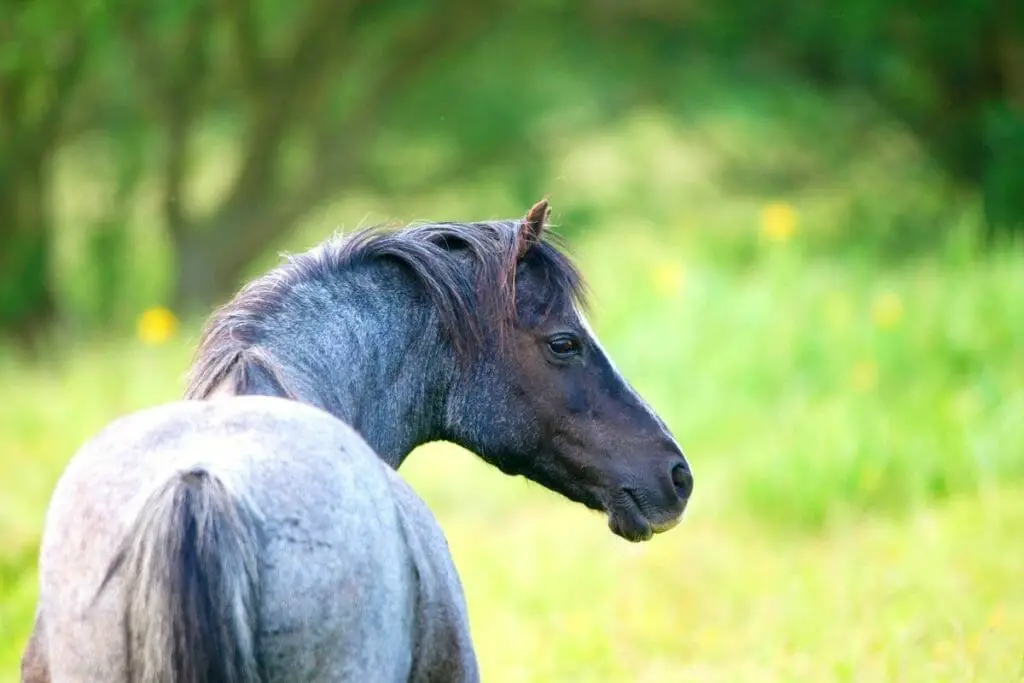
(531, 229)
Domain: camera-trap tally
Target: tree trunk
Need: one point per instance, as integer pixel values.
(211, 264)
(197, 285)
(212, 257)
(27, 303)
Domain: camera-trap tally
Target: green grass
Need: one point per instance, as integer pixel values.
(857, 444)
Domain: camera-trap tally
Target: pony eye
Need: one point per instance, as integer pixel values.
(564, 346)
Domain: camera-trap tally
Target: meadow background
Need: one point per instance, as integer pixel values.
(802, 229)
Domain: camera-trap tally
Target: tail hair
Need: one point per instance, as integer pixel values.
(191, 572)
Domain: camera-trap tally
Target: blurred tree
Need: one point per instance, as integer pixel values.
(305, 96)
(41, 65)
(315, 98)
(305, 88)
(951, 72)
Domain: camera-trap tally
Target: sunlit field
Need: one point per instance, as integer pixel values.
(856, 438)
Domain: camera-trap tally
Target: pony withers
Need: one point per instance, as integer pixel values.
(261, 533)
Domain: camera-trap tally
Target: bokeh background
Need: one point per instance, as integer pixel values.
(801, 223)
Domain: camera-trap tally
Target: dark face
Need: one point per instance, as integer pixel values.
(555, 409)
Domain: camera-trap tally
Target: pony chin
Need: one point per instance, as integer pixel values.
(662, 527)
(627, 519)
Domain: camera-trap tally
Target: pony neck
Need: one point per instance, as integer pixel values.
(365, 348)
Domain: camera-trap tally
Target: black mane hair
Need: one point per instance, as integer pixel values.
(467, 270)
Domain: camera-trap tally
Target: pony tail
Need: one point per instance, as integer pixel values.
(191, 573)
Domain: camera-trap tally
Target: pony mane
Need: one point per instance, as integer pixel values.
(466, 269)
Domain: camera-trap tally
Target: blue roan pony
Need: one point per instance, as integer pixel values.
(268, 538)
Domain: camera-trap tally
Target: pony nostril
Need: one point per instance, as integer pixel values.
(682, 479)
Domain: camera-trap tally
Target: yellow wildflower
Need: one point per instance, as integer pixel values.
(156, 326)
(668, 278)
(887, 310)
(864, 375)
(778, 221)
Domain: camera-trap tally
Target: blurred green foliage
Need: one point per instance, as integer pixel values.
(299, 104)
